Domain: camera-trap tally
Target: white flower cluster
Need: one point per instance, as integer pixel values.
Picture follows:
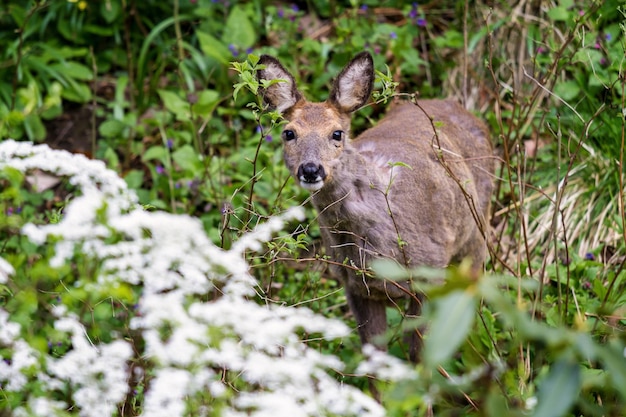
(190, 341)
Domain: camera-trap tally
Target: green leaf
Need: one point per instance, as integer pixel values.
(187, 159)
(214, 48)
(110, 10)
(154, 152)
(239, 30)
(567, 90)
(559, 13)
(559, 390)
(612, 357)
(389, 269)
(111, 128)
(176, 105)
(72, 69)
(134, 178)
(78, 93)
(207, 101)
(454, 317)
(35, 129)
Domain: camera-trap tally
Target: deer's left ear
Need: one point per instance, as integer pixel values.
(353, 86)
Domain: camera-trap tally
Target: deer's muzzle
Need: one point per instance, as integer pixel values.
(311, 176)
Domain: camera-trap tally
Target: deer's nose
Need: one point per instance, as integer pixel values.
(311, 173)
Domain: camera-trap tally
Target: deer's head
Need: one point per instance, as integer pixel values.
(316, 134)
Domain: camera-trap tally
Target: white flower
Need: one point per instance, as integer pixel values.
(196, 313)
(8, 330)
(383, 366)
(40, 407)
(99, 375)
(11, 371)
(5, 271)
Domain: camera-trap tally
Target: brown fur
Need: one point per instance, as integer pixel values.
(366, 205)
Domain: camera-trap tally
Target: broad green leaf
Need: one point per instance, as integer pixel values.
(454, 317)
(111, 158)
(72, 69)
(111, 128)
(614, 361)
(239, 30)
(559, 390)
(134, 178)
(207, 101)
(76, 92)
(567, 90)
(559, 13)
(110, 10)
(100, 31)
(496, 404)
(35, 129)
(154, 152)
(389, 269)
(52, 104)
(187, 158)
(175, 104)
(214, 48)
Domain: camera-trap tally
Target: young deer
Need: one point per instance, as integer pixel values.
(429, 210)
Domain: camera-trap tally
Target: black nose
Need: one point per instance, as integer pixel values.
(311, 172)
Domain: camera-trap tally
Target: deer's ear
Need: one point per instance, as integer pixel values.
(354, 85)
(283, 94)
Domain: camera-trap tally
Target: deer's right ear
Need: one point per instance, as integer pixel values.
(281, 95)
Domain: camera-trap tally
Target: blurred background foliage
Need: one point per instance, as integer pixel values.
(147, 87)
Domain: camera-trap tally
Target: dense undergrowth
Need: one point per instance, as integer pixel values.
(146, 275)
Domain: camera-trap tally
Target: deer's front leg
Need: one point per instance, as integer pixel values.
(370, 316)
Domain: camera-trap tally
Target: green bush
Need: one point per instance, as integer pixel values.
(169, 93)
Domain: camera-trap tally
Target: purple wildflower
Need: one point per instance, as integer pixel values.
(170, 143)
(608, 37)
(159, 169)
(268, 138)
(281, 13)
(363, 8)
(393, 35)
(233, 49)
(421, 22)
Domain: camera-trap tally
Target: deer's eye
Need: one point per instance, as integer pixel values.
(338, 135)
(289, 135)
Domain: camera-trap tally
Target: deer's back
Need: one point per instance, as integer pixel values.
(428, 209)
(406, 134)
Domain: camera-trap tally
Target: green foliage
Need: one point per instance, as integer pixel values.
(174, 98)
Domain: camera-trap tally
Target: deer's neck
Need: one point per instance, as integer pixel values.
(355, 193)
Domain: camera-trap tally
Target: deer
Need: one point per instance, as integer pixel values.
(415, 188)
